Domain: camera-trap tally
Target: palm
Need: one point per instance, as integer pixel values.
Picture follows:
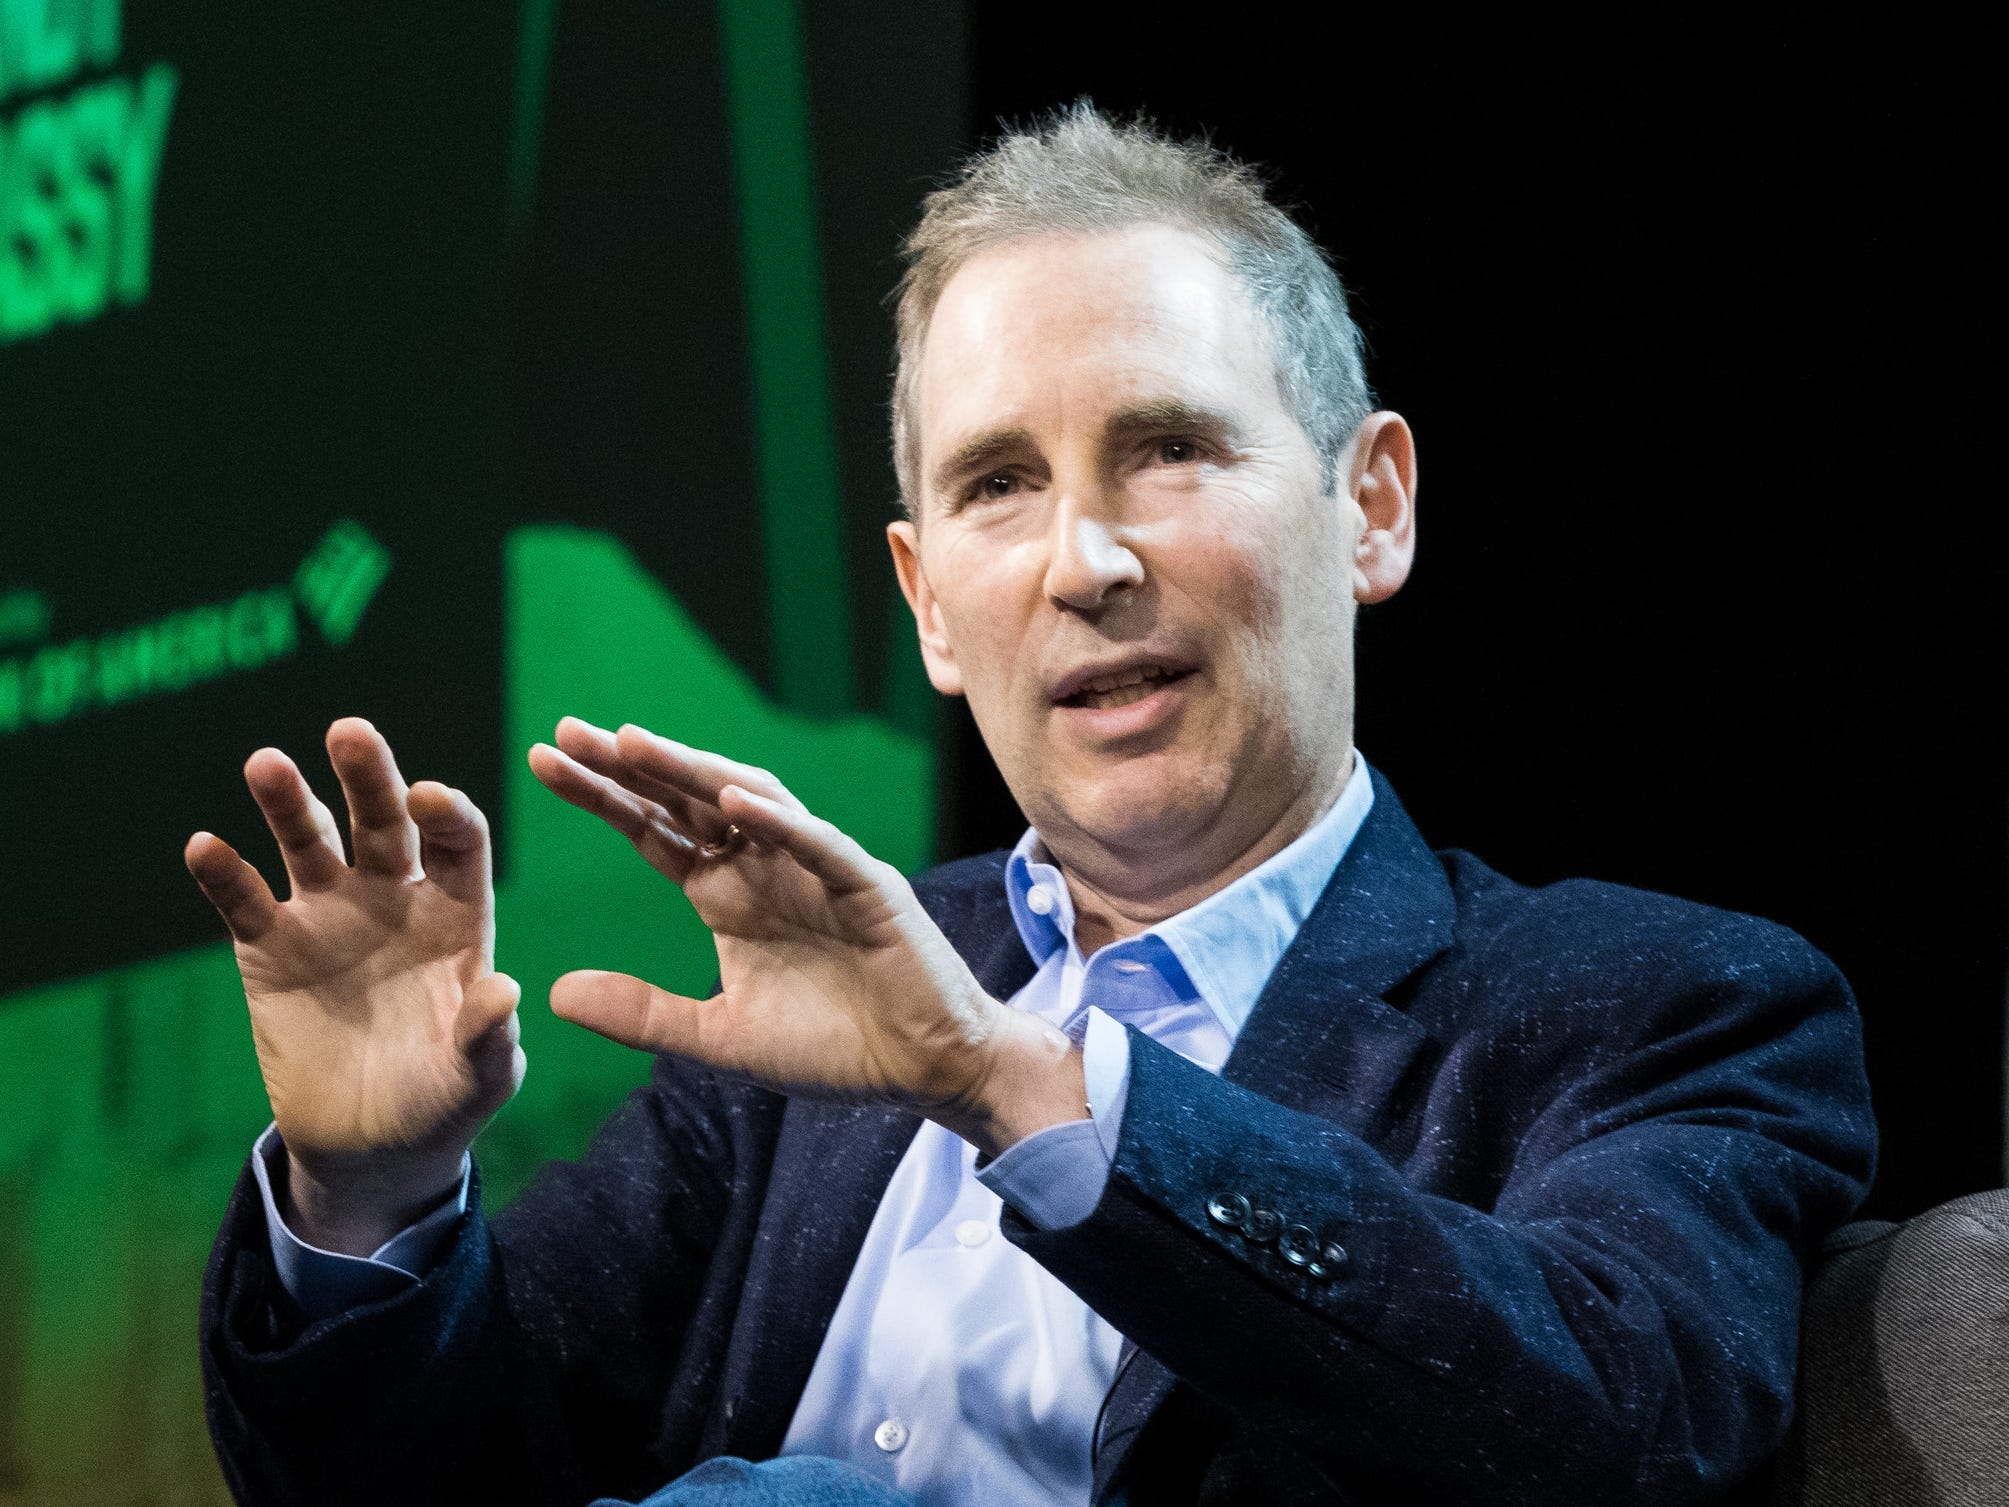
(833, 981)
(806, 977)
(379, 1025)
(354, 993)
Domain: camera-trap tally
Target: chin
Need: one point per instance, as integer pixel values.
(1143, 805)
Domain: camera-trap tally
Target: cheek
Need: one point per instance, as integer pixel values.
(1273, 596)
(984, 650)
(983, 613)
(1241, 581)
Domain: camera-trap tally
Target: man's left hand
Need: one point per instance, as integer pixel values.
(834, 982)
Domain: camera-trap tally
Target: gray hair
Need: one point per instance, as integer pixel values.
(1079, 172)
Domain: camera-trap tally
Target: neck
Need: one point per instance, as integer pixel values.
(1119, 893)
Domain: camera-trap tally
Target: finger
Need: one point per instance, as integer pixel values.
(595, 794)
(594, 747)
(655, 834)
(453, 840)
(831, 855)
(692, 770)
(309, 841)
(637, 1014)
(381, 830)
(234, 887)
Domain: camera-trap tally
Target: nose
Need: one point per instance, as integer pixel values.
(1088, 560)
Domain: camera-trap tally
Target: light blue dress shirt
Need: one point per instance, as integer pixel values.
(955, 1367)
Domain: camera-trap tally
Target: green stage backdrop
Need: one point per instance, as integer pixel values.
(460, 366)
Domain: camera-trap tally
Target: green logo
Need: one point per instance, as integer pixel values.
(336, 581)
(333, 586)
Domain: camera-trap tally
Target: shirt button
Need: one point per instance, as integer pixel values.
(890, 1436)
(973, 1232)
(1039, 900)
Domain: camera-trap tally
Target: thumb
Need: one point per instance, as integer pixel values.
(485, 1004)
(633, 1012)
(487, 1031)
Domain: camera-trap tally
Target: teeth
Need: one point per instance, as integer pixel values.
(1122, 678)
(1121, 696)
(1121, 687)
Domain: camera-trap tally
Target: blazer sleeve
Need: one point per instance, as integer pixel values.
(511, 1372)
(1621, 1323)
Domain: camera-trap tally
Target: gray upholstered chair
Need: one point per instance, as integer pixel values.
(1904, 1365)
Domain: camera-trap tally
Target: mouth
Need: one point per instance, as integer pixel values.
(1107, 690)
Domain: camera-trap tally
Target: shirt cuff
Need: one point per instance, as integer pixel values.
(1055, 1176)
(325, 1283)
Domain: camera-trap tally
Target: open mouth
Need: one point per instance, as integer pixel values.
(1122, 687)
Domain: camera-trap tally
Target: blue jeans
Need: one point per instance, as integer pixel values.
(791, 1481)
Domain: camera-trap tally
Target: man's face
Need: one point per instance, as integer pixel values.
(1123, 556)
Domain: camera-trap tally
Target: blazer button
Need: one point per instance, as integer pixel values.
(1263, 1225)
(1298, 1245)
(1331, 1261)
(1229, 1209)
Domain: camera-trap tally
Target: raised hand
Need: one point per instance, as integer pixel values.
(384, 1035)
(835, 982)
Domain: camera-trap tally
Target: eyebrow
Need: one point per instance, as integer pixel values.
(978, 453)
(986, 448)
(1161, 414)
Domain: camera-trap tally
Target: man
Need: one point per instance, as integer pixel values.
(1220, 1144)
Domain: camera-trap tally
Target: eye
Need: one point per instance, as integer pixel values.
(998, 484)
(1178, 452)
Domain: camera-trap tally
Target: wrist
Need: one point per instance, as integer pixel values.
(1033, 1080)
(353, 1207)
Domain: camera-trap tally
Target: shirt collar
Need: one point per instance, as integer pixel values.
(1229, 943)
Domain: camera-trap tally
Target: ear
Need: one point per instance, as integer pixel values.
(936, 653)
(1379, 476)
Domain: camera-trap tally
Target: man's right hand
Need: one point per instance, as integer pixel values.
(385, 1037)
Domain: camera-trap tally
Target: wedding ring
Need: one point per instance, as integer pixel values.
(725, 846)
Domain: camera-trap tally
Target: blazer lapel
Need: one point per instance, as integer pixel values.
(1323, 1037)
(832, 1164)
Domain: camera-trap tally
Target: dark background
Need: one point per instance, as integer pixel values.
(1697, 327)
(1698, 330)
(323, 340)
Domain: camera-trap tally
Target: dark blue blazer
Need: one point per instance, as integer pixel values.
(1576, 1143)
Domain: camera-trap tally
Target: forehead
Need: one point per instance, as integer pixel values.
(1063, 326)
